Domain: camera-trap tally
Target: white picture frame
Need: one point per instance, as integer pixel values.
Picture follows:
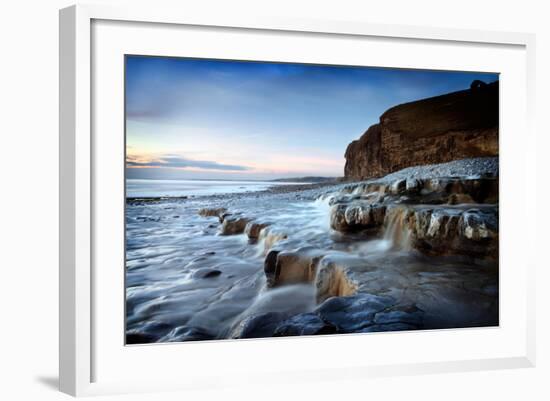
(78, 162)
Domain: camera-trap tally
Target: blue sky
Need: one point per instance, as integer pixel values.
(212, 119)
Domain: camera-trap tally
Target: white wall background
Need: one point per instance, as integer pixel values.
(29, 186)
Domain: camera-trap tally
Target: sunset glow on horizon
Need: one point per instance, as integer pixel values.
(212, 119)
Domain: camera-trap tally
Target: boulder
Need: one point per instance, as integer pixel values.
(291, 267)
(253, 230)
(258, 326)
(353, 313)
(212, 212)
(206, 273)
(304, 324)
(233, 225)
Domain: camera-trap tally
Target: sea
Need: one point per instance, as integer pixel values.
(140, 188)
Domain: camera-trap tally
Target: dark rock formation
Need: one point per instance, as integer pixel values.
(454, 126)
(440, 216)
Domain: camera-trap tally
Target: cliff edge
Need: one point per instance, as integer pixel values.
(440, 129)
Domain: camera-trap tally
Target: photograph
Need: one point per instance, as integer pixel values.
(271, 199)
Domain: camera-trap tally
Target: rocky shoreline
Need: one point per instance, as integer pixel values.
(448, 211)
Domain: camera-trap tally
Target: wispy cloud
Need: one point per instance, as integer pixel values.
(174, 161)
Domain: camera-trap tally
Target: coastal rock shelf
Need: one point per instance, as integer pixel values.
(377, 272)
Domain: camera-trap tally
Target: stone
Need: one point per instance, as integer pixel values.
(291, 267)
(258, 326)
(186, 333)
(212, 212)
(476, 225)
(413, 185)
(398, 187)
(357, 216)
(253, 229)
(353, 313)
(332, 279)
(404, 314)
(206, 273)
(233, 225)
(304, 324)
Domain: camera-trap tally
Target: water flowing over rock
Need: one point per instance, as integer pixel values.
(233, 225)
(454, 126)
(443, 216)
(416, 249)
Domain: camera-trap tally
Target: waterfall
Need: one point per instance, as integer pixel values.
(396, 228)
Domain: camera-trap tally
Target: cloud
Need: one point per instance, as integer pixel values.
(174, 161)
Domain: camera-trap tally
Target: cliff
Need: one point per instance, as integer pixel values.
(454, 126)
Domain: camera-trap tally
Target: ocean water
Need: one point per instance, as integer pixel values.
(170, 249)
(136, 188)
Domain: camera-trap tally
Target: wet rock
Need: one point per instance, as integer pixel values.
(269, 238)
(333, 278)
(413, 185)
(376, 328)
(212, 212)
(253, 229)
(357, 216)
(258, 326)
(153, 328)
(185, 333)
(291, 267)
(403, 314)
(206, 273)
(270, 267)
(233, 225)
(304, 324)
(353, 313)
(398, 187)
(338, 218)
(476, 225)
(444, 231)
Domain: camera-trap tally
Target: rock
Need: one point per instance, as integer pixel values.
(457, 125)
(447, 231)
(209, 212)
(304, 324)
(253, 230)
(338, 218)
(476, 225)
(357, 216)
(185, 333)
(413, 185)
(353, 313)
(333, 278)
(398, 187)
(269, 238)
(206, 273)
(404, 314)
(376, 328)
(291, 267)
(258, 326)
(233, 225)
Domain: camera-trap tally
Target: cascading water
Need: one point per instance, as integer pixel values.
(396, 229)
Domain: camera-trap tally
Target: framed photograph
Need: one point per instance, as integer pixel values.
(269, 199)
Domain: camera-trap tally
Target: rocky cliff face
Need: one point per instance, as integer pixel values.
(454, 126)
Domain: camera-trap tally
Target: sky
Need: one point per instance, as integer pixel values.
(238, 120)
